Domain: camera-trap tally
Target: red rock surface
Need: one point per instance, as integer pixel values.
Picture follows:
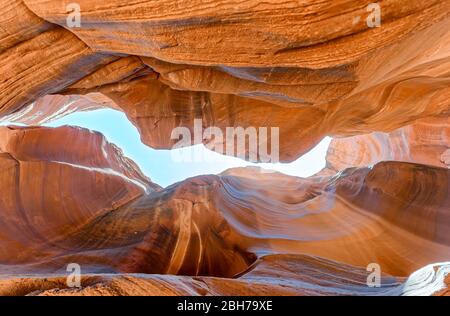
(276, 274)
(427, 141)
(212, 225)
(50, 188)
(184, 61)
(312, 69)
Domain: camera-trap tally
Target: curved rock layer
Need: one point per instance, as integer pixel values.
(310, 69)
(427, 142)
(271, 275)
(220, 225)
(54, 181)
(396, 215)
(166, 63)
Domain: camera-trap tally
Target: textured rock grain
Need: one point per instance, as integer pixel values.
(312, 69)
(184, 61)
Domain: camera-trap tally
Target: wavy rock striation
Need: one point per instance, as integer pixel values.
(277, 73)
(50, 188)
(212, 225)
(271, 275)
(311, 69)
(427, 142)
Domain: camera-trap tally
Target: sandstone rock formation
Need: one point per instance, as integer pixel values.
(311, 69)
(270, 275)
(280, 275)
(184, 61)
(212, 225)
(427, 141)
(52, 183)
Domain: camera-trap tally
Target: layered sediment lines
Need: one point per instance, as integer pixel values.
(394, 214)
(427, 141)
(310, 69)
(53, 182)
(271, 275)
(184, 61)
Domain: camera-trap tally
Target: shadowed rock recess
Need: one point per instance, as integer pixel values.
(310, 68)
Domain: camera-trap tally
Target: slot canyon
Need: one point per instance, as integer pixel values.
(312, 69)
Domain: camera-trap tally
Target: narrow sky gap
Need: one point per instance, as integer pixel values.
(159, 165)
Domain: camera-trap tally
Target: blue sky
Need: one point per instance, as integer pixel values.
(159, 165)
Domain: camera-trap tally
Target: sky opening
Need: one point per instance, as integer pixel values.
(159, 165)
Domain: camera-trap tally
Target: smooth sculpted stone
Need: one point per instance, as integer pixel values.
(38, 58)
(55, 180)
(271, 33)
(53, 107)
(270, 275)
(309, 69)
(394, 214)
(301, 275)
(304, 69)
(19, 24)
(80, 201)
(427, 141)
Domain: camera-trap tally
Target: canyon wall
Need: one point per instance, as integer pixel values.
(395, 214)
(165, 64)
(309, 69)
(427, 141)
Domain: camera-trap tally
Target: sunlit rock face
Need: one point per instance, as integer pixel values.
(270, 275)
(54, 181)
(310, 69)
(242, 223)
(166, 63)
(427, 141)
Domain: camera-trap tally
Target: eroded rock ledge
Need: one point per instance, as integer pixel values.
(307, 68)
(395, 214)
(427, 141)
(311, 69)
